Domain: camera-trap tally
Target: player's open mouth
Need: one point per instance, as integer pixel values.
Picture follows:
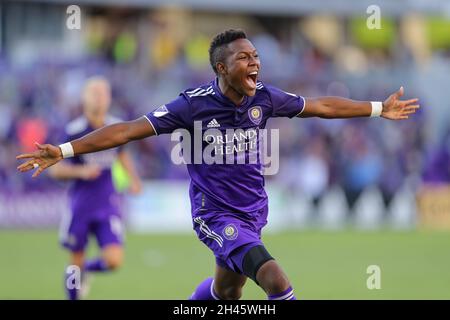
(251, 79)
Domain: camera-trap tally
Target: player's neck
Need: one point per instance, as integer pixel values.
(230, 93)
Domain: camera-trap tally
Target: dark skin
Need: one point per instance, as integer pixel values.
(237, 79)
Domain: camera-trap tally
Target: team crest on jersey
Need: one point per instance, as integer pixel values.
(230, 232)
(160, 111)
(255, 114)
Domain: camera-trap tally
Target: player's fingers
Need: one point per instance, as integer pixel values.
(30, 164)
(26, 166)
(43, 147)
(26, 155)
(40, 146)
(400, 92)
(410, 101)
(411, 108)
(29, 167)
(409, 112)
(39, 171)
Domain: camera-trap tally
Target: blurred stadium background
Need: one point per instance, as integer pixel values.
(349, 193)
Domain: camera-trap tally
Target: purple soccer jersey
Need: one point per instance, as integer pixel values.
(94, 203)
(224, 187)
(229, 203)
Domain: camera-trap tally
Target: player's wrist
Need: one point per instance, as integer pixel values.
(66, 150)
(377, 108)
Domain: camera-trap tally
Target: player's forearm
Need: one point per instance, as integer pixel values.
(101, 139)
(112, 136)
(336, 107)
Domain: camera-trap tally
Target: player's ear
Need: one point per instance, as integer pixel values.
(221, 68)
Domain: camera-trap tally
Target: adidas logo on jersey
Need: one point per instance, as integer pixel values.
(213, 124)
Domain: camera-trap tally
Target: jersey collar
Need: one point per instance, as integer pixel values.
(225, 99)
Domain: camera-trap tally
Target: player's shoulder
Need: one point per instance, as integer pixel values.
(200, 92)
(263, 91)
(266, 88)
(272, 90)
(262, 88)
(76, 126)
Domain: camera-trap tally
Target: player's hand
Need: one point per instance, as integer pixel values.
(135, 187)
(90, 172)
(46, 156)
(396, 109)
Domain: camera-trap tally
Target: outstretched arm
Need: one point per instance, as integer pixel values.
(101, 139)
(334, 107)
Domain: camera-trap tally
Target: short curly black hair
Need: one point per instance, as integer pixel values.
(219, 44)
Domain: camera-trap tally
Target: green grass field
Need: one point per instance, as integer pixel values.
(320, 265)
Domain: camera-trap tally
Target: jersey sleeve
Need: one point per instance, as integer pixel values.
(285, 104)
(171, 116)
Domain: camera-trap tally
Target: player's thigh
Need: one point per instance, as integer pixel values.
(108, 231)
(109, 235)
(225, 235)
(227, 283)
(73, 234)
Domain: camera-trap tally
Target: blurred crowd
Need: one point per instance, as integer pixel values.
(39, 98)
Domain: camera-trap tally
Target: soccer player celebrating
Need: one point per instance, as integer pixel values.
(94, 202)
(229, 204)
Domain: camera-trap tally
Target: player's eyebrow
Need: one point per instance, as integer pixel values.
(248, 52)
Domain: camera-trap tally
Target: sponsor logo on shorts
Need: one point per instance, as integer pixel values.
(230, 232)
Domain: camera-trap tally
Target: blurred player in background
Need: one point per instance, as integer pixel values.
(229, 202)
(94, 202)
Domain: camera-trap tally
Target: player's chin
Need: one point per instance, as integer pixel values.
(249, 91)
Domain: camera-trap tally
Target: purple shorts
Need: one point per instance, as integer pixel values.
(75, 231)
(230, 235)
